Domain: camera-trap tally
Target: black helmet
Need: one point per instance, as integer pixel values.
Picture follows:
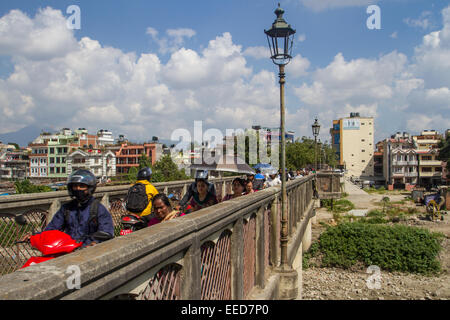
(84, 177)
(144, 174)
(201, 174)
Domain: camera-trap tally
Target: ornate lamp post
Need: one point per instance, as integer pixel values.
(315, 130)
(280, 38)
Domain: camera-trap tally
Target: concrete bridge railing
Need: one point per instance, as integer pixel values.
(228, 251)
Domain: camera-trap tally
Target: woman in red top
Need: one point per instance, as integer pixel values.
(162, 209)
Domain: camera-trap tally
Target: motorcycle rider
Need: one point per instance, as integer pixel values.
(84, 215)
(192, 189)
(144, 176)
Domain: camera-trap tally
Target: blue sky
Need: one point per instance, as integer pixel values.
(204, 60)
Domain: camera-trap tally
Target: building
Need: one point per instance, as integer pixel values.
(100, 163)
(13, 164)
(353, 141)
(38, 160)
(378, 166)
(105, 137)
(429, 167)
(128, 155)
(400, 161)
(49, 151)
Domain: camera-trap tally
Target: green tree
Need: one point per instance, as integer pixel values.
(444, 152)
(166, 170)
(132, 174)
(300, 153)
(144, 161)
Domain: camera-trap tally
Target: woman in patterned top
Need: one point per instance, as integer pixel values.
(203, 198)
(162, 208)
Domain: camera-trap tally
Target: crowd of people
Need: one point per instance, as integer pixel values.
(84, 215)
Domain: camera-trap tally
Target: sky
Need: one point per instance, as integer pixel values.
(146, 68)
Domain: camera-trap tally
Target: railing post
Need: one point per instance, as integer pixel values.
(237, 260)
(274, 243)
(260, 248)
(224, 189)
(105, 200)
(192, 278)
(54, 207)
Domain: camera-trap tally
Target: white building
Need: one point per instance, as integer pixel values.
(38, 160)
(105, 137)
(99, 163)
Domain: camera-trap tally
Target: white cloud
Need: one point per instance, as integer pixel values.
(174, 40)
(257, 52)
(96, 87)
(399, 92)
(45, 36)
(355, 82)
(298, 67)
(85, 84)
(321, 5)
(301, 37)
(424, 21)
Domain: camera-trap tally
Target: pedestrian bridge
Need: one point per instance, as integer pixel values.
(227, 251)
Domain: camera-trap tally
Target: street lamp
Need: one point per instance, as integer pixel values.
(315, 130)
(280, 38)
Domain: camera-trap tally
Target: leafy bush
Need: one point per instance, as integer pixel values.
(25, 186)
(393, 248)
(312, 252)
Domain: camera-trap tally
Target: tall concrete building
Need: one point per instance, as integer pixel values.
(430, 167)
(400, 161)
(353, 140)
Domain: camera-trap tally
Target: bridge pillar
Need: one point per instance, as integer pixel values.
(105, 200)
(297, 265)
(288, 289)
(306, 242)
(191, 289)
(275, 232)
(54, 207)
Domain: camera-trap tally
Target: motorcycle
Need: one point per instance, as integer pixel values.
(132, 222)
(53, 243)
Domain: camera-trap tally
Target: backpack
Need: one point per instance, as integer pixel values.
(137, 198)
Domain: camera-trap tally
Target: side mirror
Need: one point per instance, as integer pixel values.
(20, 219)
(102, 236)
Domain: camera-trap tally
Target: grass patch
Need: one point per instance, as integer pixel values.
(341, 205)
(392, 248)
(380, 190)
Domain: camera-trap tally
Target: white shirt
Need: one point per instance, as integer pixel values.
(272, 182)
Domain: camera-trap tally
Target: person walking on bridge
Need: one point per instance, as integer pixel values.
(238, 189)
(162, 209)
(201, 175)
(140, 195)
(204, 195)
(84, 215)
